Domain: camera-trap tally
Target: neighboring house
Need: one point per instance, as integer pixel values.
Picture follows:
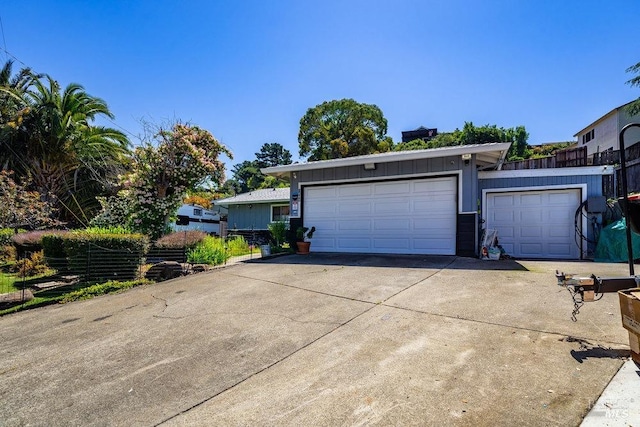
(437, 201)
(196, 217)
(420, 133)
(256, 209)
(603, 134)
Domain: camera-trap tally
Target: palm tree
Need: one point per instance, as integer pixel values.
(49, 137)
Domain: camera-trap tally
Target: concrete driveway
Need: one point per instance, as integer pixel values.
(319, 340)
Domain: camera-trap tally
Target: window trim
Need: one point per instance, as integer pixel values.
(278, 205)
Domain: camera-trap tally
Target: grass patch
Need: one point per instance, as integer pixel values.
(75, 292)
(216, 251)
(110, 287)
(7, 283)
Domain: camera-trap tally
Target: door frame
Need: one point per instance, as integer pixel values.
(583, 198)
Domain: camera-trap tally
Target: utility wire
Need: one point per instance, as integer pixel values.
(4, 42)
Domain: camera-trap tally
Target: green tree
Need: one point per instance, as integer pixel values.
(48, 136)
(415, 144)
(164, 171)
(342, 128)
(22, 208)
(272, 154)
(519, 149)
(634, 107)
(247, 174)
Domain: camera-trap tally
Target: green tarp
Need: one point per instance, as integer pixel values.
(612, 244)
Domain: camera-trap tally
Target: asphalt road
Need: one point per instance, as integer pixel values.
(319, 340)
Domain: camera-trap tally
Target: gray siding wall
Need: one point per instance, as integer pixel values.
(398, 170)
(594, 188)
(594, 183)
(255, 218)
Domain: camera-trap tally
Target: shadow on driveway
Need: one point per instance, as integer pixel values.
(395, 261)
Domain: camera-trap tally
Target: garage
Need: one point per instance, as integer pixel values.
(415, 216)
(535, 224)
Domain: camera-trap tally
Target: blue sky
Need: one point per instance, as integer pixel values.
(248, 70)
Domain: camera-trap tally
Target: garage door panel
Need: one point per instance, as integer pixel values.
(501, 215)
(526, 232)
(325, 192)
(535, 224)
(354, 190)
(409, 216)
(353, 225)
(392, 188)
(392, 224)
(561, 200)
(433, 185)
(561, 232)
(396, 206)
(559, 215)
(355, 208)
(529, 200)
(433, 204)
(327, 210)
(325, 225)
(558, 249)
(443, 244)
(353, 243)
(322, 244)
(391, 243)
(530, 216)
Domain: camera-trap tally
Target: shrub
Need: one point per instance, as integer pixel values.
(6, 235)
(32, 266)
(181, 239)
(8, 254)
(104, 256)
(54, 254)
(108, 230)
(279, 231)
(29, 239)
(238, 246)
(210, 250)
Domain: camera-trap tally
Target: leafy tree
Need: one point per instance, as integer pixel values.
(22, 208)
(634, 107)
(471, 134)
(342, 128)
(163, 172)
(416, 144)
(231, 187)
(47, 134)
(272, 154)
(273, 182)
(538, 151)
(247, 174)
(519, 149)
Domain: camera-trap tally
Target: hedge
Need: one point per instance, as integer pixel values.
(104, 256)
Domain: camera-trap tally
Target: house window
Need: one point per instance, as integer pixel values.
(197, 212)
(279, 213)
(588, 136)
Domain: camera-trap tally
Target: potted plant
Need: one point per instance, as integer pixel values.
(303, 234)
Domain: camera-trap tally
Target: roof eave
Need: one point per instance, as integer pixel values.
(499, 148)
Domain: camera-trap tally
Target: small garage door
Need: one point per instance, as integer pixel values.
(406, 217)
(535, 224)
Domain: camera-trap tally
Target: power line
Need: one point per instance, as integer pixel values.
(4, 42)
(12, 55)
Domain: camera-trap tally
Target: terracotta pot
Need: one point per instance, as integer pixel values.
(303, 247)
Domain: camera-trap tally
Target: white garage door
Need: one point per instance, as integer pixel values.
(405, 217)
(535, 224)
